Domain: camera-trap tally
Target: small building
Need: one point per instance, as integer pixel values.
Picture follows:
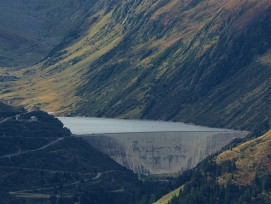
(33, 119)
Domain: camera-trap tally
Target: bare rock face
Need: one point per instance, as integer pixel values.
(161, 152)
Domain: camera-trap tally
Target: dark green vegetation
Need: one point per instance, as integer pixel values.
(241, 174)
(40, 162)
(24, 126)
(8, 111)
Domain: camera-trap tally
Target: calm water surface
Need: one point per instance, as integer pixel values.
(84, 125)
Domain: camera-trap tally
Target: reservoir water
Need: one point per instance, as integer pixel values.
(91, 125)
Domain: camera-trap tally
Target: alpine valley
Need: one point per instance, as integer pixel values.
(204, 62)
(201, 61)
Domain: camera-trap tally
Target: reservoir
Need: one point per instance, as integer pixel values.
(85, 125)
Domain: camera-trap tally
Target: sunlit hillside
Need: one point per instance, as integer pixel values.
(206, 62)
(241, 174)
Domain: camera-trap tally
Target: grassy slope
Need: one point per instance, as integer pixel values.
(250, 158)
(163, 59)
(66, 67)
(166, 199)
(238, 175)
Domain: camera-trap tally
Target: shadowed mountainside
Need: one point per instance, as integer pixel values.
(40, 162)
(29, 30)
(7, 111)
(204, 61)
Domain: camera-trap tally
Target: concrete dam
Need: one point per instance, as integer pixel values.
(158, 148)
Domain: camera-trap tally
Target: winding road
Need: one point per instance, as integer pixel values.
(94, 179)
(32, 150)
(8, 118)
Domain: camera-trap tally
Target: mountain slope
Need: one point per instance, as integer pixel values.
(197, 61)
(251, 158)
(29, 30)
(40, 162)
(239, 175)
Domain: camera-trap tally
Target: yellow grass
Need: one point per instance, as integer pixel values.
(55, 90)
(168, 7)
(247, 156)
(168, 197)
(266, 58)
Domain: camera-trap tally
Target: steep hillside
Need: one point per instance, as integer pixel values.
(239, 175)
(251, 158)
(34, 123)
(204, 61)
(40, 162)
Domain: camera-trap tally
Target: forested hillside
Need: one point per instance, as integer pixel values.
(40, 162)
(241, 174)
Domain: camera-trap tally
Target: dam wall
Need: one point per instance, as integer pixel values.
(161, 152)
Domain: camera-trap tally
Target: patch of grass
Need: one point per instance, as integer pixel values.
(167, 198)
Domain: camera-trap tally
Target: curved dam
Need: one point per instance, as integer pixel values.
(152, 147)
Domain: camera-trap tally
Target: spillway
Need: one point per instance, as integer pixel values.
(152, 147)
